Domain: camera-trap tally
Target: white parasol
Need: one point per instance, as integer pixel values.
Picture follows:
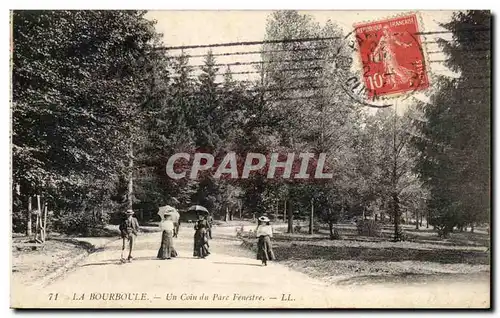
(169, 210)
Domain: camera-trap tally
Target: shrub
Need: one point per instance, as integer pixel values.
(75, 223)
(335, 235)
(19, 221)
(368, 228)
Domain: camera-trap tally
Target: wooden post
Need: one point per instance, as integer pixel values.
(37, 225)
(240, 208)
(290, 219)
(29, 230)
(45, 222)
(311, 218)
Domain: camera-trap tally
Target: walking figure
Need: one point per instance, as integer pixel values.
(201, 238)
(128, 229)
(264, 233)
(210, 221)
(167, 250)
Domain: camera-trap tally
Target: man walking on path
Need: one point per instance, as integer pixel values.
(128, 229)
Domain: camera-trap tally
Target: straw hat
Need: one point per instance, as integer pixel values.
(264, 219)
(129, 212)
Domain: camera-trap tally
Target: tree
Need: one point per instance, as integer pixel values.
(454, 137)
(77, 80)
(305, 98)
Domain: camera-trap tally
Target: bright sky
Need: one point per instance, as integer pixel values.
(180, 28)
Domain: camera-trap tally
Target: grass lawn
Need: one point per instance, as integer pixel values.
(353, 257)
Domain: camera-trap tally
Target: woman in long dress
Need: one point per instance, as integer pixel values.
(167, 250)
(201, 238)
(264, 233)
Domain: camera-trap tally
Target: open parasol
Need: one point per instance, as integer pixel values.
(198, 208)
(169, 210)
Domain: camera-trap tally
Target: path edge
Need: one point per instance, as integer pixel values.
(73, 263)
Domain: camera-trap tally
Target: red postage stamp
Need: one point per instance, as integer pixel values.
(392, 56)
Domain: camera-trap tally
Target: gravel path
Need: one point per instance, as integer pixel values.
(229, 278)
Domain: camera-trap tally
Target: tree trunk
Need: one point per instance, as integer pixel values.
(276, 211)
(395, 198)
(311, 218)
(131, 177)
(427, 220)
(397, 236)
(226, 217)
(239, 208)
(421, 219)
(284, 211)
(330, 228)
(416, 220)
(290, 219)
(231, 215)
(472, 227)
(29, 226)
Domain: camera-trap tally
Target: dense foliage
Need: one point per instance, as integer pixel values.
(98, 110)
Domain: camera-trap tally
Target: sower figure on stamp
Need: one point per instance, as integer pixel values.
(386, 51)
(128, 229)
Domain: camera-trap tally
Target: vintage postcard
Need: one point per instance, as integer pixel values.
(251, 159)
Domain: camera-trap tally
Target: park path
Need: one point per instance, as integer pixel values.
(229, 278)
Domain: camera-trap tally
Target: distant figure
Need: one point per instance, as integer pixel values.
(128, 230)
(176, 219)
(264, 233)
(177, 226)
(201, 238)
(167, 227)
(210, 221)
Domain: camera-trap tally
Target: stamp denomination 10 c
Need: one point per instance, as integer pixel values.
(392, 58)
